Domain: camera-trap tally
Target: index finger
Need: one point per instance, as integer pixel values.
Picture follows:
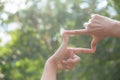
(77, 32)
(81, 50)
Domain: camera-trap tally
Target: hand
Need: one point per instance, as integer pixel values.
(69, 63)
(98, 26)
(65, 57)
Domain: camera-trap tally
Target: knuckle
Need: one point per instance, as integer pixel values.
(90, 24)
(64, 32)
(92, 20)
(96, 16)
(92, 52)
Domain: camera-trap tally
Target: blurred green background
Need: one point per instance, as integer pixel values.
(30, 33)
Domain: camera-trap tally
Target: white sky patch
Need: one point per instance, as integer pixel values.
(4, 37)
(69, 8)
(13, 26)
(63, 1)
(52, 5)
(84, 5)
(0, 22)
(4, 16)
(41, 4)
(30, 3)
(111, 11)
(102, 4)
(10, 8)
(13, 6)
(2, 0)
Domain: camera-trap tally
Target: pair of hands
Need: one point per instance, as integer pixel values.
(98, 27)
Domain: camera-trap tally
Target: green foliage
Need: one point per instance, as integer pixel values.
(23, 58)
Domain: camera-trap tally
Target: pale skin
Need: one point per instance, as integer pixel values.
(64, 58)
(99, 27)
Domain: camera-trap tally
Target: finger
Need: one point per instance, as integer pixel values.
(77, 32)
(90, 20)
(60, 65)
(71, 54)
(69, 65)
(81, 50)
(94, 43)
(94, 15)
(64, 43)
(60, 53)
(64, 62)
(86, 25)
(65, 39)
(76, 59)
(73, 62)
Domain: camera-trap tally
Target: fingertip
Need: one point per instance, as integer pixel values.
(86, 25)
(64, 32)
(76, 60)
(93, 50)
(93, 15)
(65, 37)
(93, 45)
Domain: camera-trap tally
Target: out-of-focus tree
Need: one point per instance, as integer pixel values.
(38, 36)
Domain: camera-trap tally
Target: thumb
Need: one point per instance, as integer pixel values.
(60, 53)
(65, 39)
(94, 43)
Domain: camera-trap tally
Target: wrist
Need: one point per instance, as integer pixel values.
(51, 62)
(50, 71)
(116, 29)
